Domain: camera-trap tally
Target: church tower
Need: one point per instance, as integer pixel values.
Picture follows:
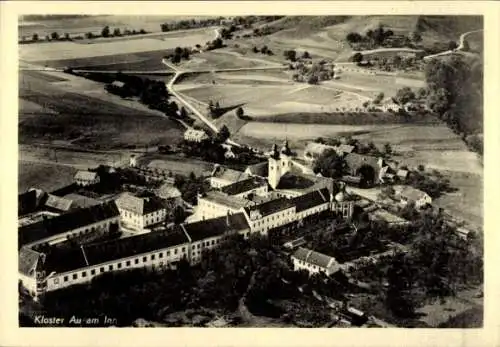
(286, 162)
(274, 168)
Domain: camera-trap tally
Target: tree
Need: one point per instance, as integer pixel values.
(452, 45)
(378, 98)
(264, 50)
(54, 36)
(404, 95)
(105, 31)
(329, 164)
(178, 215)
(223, 134)
(240, 112)
(306, 55)
(164, 27)
(67, 37)
(313, 79)
(290, 55)
(387, 149)
(35, 37)
(255, 49)
(353, 37)
(142, 31)
(415, 36)
(400, 287)
(357, 58)
(89, 35)
(117, 32)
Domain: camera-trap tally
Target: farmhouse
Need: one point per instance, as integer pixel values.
(314, 262)
(85, 178)
(408, 194)
(78, 222)
(194, 135)
(138, 213)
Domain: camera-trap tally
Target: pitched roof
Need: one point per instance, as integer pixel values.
(315, 149)
(140, 205)
(168, 191)
(402, 173)
(58, 203)
(81, 201)
(345, 148)
(355, 161)
(243, 186)
(216, 227)
(271, 207)
(66, 222)
(412, 193)
(314, 258)
(229, 174)
(225, 200)
(85, 175)
(98, 253)
(27, 260)
(260, 169)
(310, 200)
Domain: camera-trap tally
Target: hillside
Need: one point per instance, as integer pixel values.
(327, 34)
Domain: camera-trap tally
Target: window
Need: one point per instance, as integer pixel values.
(183, 249)
(213, 242)
(136, 261)
(119, 265)
(128, 263)
(175, 251)
(92, 272)
(101, 270)
(152, 257)
(111, 268)
(65, 278)
(194, 246)
(56, 280)
(168, 253)
(160, 255)
(144, 259)
(75, 276)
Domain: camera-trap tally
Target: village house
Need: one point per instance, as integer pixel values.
(138, 213)
(194, 135)
(314, 262)
(408, 194)
(85, 178)
(269, 215)
(78, 222)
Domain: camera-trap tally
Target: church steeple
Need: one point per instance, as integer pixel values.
(286, 148)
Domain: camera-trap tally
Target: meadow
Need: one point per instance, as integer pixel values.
(44, 176)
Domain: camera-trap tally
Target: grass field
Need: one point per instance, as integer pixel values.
(175, 164)
(95, 24)
(45, 52)
(90, 117)
(44, 176)
(219, 59)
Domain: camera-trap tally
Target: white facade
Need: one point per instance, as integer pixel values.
(262, 224)
(300, 264)
(208, 208)
(139, 221)
(159, 258)
(194, 135)
(86, 178)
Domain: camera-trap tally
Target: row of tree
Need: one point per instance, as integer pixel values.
(105, 32)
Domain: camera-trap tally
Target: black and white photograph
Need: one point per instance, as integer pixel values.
(250, 171)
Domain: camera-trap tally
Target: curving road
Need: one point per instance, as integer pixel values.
(458, 49)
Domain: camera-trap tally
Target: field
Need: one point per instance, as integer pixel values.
(94, 24)
(44, 176)
(89, 117)
(45, 52)
(175, 164)
(220, 60)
